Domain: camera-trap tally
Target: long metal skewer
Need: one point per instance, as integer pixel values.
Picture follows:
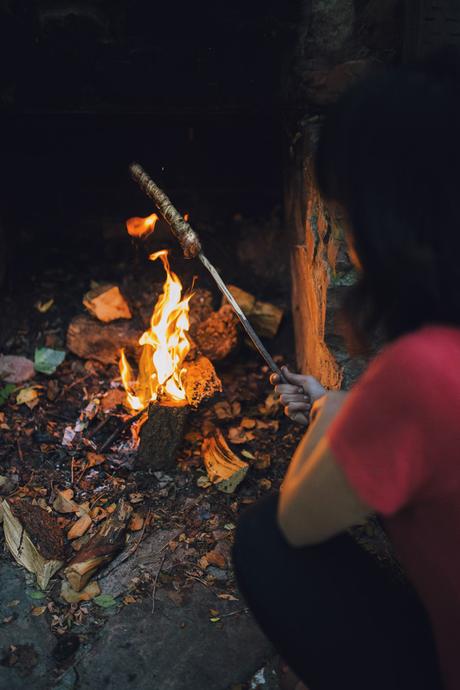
(191, 246)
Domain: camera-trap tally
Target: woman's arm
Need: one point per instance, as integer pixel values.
(316, 500)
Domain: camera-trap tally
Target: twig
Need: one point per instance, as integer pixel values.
(121, 427)
(156, 582)
(20, 453)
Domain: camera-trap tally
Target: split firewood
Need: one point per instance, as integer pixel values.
(264, 316)
(224, 468)
(106, 303)
(100, 549)
(34, 539)
(91, 339)
(200, 381)
(217, 336)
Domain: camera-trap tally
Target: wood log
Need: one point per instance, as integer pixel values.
(100, 549)
(91, 339)
(34, 539)
(264, 316)
(201, 381)
(224, 468)
(160, 436)
(217, 336)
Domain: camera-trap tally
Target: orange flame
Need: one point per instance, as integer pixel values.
(165, 347)
(141, 227)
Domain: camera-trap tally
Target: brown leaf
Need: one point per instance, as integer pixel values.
(38, 610)
(79, 528)
(69, 595)
(113, 398)
(136, 523)
(98, 513)
(216, 558)
(273, 424)
(63, 502)
(248, 423)
(262, 462)
(239, 435)
(93, 459)
(203, 563)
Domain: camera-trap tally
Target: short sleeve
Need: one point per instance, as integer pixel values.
(379, 438)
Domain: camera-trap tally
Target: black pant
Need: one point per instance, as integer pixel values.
(336, 616)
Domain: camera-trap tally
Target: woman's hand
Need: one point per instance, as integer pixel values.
(298, 394)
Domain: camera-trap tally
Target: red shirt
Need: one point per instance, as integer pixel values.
(398, 441)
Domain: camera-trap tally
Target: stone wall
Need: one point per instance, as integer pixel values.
(339, 40)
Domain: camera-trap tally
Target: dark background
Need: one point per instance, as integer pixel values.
(191, 90)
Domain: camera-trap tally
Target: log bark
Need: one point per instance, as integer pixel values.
(91, 339)
(160, 437)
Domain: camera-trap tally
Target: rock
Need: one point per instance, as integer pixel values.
(15, 369)
(176, 648)
(91, 339)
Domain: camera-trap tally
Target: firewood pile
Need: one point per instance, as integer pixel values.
(78, 494)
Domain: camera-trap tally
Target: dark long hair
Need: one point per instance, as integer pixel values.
(389, 153)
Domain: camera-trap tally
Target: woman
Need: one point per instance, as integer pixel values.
(389, 161)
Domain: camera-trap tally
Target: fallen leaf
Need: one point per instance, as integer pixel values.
(46, 360)
(107, 303)
(38, 610)
(93, 459)
(69, 595)
(237, 435)
(136, 497)
(203, 482)
(13, 603)
(265, 484)
(35, 594)
(271, 405)
(216, 558)
(27, 396)
(16, 369)
(105, 601)
(79, 527)
(136, 523)
(248, 423)
(263, 461)
(248, 455)
(43, 307)
(5, 392)
(63, 502)
(98, 513)
(213, 612)
(215, 619)
(112, 399)
(203, 563)
(227, 597)
(129, 599)
(273, 424)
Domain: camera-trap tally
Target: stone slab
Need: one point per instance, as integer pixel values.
(175, 648)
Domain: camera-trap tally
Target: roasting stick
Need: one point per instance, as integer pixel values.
(191, 246)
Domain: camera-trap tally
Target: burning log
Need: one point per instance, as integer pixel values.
(91, 339)
(162, 432)
(264, 316)
(34, 539)
(224, 468)
(100, 549)
(160, 436)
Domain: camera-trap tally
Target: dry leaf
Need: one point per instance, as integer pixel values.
(93, 459)
(136, 523)
(79, 528)
(203, 482)
(43, 307)
(38, 610)
(265, 484)
(111, 400)
(27, 396)
(136, 497)
(216, 558)
(14, 369)
(203, 563)
(107, 303)
(248, 423)
(237, 435)
(97, 513)
(263, 461)
(63, 502)
(227, 597)
(273, 424)
(129, 599)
